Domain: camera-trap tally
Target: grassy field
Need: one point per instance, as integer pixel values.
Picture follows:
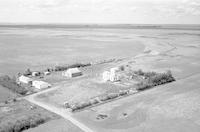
(172, 107)
(21, 115)
(6, 94)
(59, 125)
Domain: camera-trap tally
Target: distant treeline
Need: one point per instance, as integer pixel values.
(62, 68)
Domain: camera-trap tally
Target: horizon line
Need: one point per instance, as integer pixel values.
(20, 23)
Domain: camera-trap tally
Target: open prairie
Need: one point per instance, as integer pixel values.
(159, 49)
(40, 48)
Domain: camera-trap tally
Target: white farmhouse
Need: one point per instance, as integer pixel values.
(106, 76)
(114, 77)
(40, 84)
(72, 72)
(24, 79)
(111, 75)
(114, 70)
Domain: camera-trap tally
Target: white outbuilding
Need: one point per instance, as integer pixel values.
(72, 72)
(24, 79)
(40, 84)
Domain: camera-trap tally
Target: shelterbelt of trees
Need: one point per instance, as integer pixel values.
(153, 79)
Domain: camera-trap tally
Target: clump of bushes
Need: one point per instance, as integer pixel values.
(94, 101)
(123, 92)
(80, 105)
(23, 123)
(11, 84)
(113, 95)
(101, 116)
(154, 79)
(122, 68)
(144, 85)
(145, 74)
(62, 68)
(108, 96)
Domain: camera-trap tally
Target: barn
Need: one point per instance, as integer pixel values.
(72, 72)
(40, 84)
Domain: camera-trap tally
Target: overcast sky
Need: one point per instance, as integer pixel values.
(100, 11)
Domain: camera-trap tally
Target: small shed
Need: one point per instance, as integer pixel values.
(72, 72)
(40, 84)
(24, 79)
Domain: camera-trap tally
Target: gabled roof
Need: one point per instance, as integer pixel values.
(40, 82)
(73, 70)
(25, 78)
